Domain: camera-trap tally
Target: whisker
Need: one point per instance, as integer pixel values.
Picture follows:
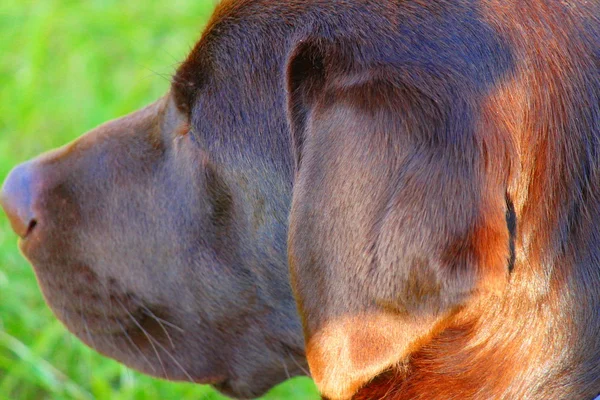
(170, 324)
(287, 373)
(148, 336)
(174, 360)
(176, 60)
(85, 324)
(179, 81)
(135, 346)
(297, 363)
(165, 76)
(151, 314)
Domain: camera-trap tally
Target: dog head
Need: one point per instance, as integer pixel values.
(410, 149)
(159, 239)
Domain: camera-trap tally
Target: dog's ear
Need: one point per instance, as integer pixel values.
(399, 212)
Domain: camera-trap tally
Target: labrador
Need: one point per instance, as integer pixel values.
(427, 171)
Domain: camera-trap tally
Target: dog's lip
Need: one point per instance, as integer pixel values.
(32, 239)
(25, 237)
(21, 230)
(27, 242)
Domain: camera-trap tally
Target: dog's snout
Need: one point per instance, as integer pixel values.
(17, 198)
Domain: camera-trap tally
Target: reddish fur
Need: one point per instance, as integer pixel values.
(538, 108)
(509, 341)
(442, 159)
(538, 131)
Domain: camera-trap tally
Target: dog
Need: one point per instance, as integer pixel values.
(428, 171)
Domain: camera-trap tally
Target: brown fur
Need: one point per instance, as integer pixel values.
(439, 166)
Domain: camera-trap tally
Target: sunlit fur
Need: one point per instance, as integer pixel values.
(418, 129)
(429, 171)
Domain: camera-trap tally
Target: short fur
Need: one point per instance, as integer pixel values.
(430, 170)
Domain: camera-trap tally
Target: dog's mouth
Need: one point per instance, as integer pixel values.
(139, 336)
(92, 308)
(110, 319)
(45, 244)
(27, 237)
(113, 317)
(23, 231)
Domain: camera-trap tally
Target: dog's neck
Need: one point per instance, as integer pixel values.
(555, 187)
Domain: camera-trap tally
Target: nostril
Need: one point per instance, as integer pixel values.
(31, 227)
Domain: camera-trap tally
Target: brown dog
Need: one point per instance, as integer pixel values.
(439, 163)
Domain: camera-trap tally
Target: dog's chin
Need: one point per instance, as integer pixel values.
(256, 381)
(121, 325)
(230, 389)
(151, 339)
(242, 390)
(144, 340)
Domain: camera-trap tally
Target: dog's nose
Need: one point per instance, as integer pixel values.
(16, 198)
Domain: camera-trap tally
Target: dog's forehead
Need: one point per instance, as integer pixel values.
(215, 42)
(231, 86)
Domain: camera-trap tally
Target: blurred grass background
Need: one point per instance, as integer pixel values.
(65, 67)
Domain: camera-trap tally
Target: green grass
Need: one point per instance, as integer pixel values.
(65, 67)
